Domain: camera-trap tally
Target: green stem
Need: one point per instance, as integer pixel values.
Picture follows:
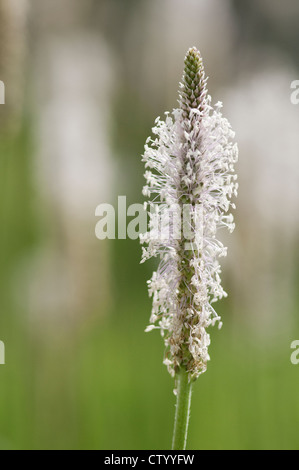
(182, 414)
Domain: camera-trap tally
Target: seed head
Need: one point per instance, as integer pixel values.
(189, 172)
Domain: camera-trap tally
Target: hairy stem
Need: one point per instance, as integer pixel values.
(182, 414)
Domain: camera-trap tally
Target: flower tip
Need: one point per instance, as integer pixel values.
(193, 50)
(193, 55)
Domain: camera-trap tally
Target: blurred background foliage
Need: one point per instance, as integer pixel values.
(84, 83)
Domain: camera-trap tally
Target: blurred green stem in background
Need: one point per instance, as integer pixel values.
(182, 414)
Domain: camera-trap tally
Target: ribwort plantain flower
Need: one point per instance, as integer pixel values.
(189, 166)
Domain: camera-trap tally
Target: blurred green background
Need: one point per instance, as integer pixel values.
(84, 83)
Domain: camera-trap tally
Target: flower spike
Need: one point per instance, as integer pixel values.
(190, 181)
